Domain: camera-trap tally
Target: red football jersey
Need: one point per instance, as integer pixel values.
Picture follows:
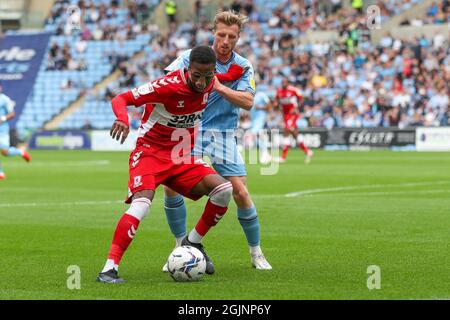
(172, 113)
(288, 98)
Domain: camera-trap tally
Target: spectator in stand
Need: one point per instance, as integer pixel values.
(349, 82)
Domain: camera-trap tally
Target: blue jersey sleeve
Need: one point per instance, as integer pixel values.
(247, 82)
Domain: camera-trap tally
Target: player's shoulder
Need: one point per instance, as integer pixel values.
(166, 85)
(181, 61)
(171, 81)
(240, 60)
(171, 74)
(184, 55)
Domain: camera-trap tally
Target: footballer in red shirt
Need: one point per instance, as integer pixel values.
(174, 106)
(289, 99)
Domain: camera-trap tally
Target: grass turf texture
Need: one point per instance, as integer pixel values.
(346, 211)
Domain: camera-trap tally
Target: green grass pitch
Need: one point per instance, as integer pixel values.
(322, 226)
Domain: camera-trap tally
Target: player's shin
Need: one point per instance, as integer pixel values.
(286, 145)
(303, 146)
(126, 230)
(215, 209)
(175, 209)
(248, 218)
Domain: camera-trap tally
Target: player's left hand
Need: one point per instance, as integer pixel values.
(119, 129)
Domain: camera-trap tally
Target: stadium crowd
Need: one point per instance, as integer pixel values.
(438, 13)
(346, 83)
(332, 15)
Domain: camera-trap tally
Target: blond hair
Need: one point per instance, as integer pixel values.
(230, 18)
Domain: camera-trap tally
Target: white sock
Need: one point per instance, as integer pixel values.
(178, 242)
(256, 250)
(195, 237)
(110, 265)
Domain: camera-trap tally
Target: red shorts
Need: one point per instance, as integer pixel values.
(290, 121)
(148, 171)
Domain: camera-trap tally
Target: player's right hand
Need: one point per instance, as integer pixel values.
(119, 129)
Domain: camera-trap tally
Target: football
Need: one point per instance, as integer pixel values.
(186, 263)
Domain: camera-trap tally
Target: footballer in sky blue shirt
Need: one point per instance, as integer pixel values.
(6, 107)
(220, 118)
(221, 114)
(216, 138)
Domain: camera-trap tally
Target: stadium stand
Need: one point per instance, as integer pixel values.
(352, 81)
(108, 33)
(437, 13)
(11, 12)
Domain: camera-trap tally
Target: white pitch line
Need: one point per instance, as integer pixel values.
(62, 163)
(373, 186)
(288, 195)
(43, 204)
(396, 192)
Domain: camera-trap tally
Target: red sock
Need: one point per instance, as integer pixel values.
(210, 217)
(284, 152)
(124, 234)
(302, 146)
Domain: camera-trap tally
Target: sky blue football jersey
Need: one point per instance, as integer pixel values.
(220, 114)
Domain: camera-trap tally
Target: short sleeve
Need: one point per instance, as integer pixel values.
(247, 82)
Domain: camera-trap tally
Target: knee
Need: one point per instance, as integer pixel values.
(221, 195)
(139, 208)
(240, 195)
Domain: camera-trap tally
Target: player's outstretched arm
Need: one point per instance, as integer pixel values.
(242, 99)
(121, 128)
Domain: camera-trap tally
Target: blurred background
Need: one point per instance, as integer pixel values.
(372, 73)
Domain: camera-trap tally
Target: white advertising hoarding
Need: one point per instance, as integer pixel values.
(102, 141)
(433, 139)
